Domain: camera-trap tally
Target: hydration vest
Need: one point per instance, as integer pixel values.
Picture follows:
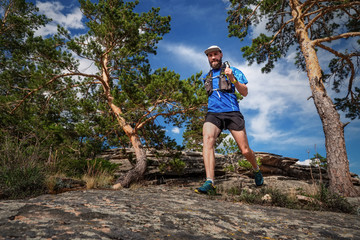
(224, 82)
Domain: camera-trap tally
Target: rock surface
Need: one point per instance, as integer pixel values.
(174, 211)
(163, 212)
(272, 165)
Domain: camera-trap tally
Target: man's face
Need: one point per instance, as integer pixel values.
(215, 59)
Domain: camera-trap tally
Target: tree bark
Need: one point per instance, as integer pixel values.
(141, 164)
(338, 164)
(138, 171)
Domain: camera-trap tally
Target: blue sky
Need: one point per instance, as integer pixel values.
(279, 118)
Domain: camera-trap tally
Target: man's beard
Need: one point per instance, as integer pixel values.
(216, 64)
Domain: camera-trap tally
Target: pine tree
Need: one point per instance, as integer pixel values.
(309, 25)
(124, 94)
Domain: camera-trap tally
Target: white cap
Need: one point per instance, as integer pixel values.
(212, 49)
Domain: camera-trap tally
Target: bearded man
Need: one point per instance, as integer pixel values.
(224, 113)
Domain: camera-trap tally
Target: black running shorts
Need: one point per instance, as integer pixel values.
(228, 120)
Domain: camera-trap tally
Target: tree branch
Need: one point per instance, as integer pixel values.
(312, 3)
(325, 10)
(162, 114)
(6, 15)
(332, 38)
(347, 59)
(149, 112)
(49, 82)
(72, 86)
(253, 12)
(280, 30)
(158, 101)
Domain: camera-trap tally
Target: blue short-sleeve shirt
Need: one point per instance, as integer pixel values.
(220, 101)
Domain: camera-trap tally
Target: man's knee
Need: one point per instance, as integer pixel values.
(246, 151)
(209, 141)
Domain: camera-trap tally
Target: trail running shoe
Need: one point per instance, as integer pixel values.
(259, 180)
(207, 188)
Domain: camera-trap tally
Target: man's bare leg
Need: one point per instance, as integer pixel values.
(243, 144)
(242, 141)
(210, 133)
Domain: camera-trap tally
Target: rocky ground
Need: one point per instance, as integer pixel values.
(170, 209)
(163, 211)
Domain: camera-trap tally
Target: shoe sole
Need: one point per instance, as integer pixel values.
(210, 192)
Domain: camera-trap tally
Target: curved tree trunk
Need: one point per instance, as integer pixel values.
(141, 164)
(338, 164)
(138, 171)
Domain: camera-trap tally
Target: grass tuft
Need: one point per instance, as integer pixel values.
(318, 198)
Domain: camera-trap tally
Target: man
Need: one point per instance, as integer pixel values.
(224, 113)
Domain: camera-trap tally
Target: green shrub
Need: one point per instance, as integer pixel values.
(78, 167)
(246, 164)
(229, 168)
(21, 168)
(323, 199)
(249, 197)
(279, 199)
(174, 165)
(333, 201)
(22, 181)
(177, 165)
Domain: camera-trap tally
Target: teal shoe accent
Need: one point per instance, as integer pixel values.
(259, 180)
(207, 188)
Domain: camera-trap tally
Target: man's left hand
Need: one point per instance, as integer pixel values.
(229, 73)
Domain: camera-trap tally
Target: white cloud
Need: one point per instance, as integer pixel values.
(186, 54)
(175, 130)
(304, 163)
(55, 11)
(87, 66)
(280, 96)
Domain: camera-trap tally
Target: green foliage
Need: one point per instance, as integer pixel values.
(78, 167)
(264, 51)
(319, 160)
(175, 165)
(67, 112)
(350, 106)
(25, 163)
(229, 146)
(333, 201)
(247, 165)
(85, 124)
(323, 200)
(21, 172)
(230, 168)
(126, 38)
(20, 181)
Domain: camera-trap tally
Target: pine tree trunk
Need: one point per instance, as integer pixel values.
(138, 171)
(338, 164)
